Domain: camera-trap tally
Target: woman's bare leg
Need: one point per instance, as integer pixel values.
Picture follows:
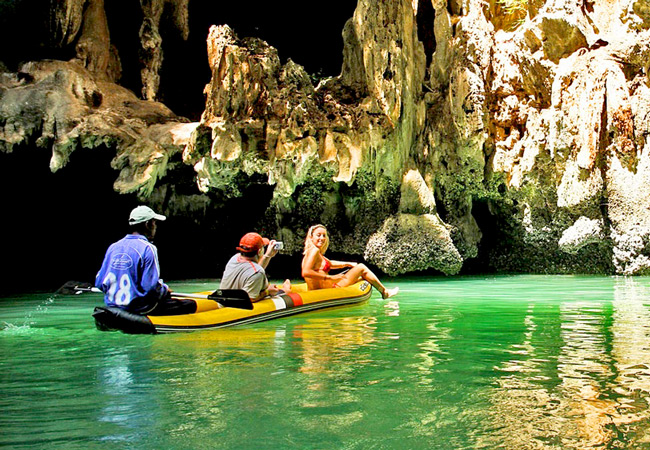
(360, 271)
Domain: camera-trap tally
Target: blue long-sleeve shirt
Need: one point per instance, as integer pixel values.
(130, 275)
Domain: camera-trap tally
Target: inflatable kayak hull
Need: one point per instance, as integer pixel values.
(210, 315)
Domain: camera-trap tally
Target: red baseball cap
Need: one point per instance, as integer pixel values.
(252, 242)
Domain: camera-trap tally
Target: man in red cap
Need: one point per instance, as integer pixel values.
(245, 270)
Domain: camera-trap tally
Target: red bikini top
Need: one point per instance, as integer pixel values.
(327, 265)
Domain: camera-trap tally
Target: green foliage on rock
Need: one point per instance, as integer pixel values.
(351, 212)
(368, 201)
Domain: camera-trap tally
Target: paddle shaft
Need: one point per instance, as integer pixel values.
(225, 300)
(233, 298)
(198, 296)
(80, 290)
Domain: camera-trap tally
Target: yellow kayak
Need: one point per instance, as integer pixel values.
(211, 315)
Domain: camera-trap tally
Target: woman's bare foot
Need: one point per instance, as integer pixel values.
(388, 293)
(286, 286)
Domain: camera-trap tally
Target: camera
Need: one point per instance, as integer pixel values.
(279, 245)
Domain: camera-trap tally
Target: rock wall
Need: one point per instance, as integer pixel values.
(508, 135)
(78, 103)
(531, 114)
(61, 106)
(337, 152)
(570, 98)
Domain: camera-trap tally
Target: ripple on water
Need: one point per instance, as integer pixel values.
(517, 362)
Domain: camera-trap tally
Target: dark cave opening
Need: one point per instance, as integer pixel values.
(426, 16)
(310, 37)
(492, 236)
(199, 244)
(127, 15)
(25, 34)
(57, 225)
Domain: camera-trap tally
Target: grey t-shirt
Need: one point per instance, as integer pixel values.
(243, 274)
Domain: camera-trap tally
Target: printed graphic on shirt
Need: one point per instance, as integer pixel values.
(121, 261)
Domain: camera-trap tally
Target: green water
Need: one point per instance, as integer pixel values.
(509, 362)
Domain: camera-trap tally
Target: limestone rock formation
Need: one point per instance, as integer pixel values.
(539, 116)
(151, 53)
(569, 141)
(62, 106)
(264, 117)
(69, 105)
(410, 243)
(509, 132)
(583, 232)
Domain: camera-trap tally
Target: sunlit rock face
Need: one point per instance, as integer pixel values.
(508, 135)
(335, 151)
(569, 118)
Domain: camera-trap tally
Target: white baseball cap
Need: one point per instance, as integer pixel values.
(143, 214)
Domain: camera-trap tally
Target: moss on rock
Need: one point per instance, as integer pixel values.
(409, 243)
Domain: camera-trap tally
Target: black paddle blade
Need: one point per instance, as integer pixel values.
(232, 298)
(74, 287)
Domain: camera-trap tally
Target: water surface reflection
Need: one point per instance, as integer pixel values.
(579, 378)
(521, 362)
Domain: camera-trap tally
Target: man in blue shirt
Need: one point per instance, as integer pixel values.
(130, 273)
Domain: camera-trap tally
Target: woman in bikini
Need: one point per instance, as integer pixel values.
(316, 267)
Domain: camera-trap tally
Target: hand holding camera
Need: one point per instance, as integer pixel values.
(273, 248)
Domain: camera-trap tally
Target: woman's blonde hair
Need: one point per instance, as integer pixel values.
(308, 242)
